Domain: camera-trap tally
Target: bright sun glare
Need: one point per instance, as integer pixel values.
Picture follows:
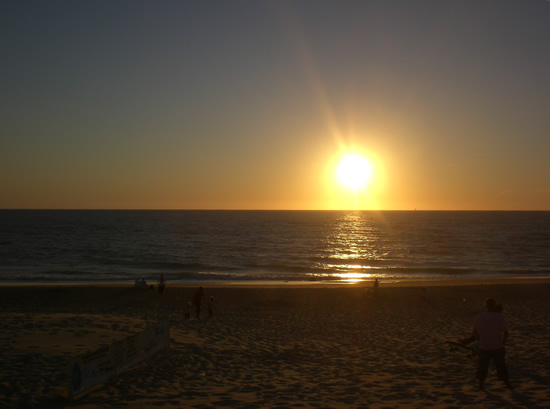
(354, 171)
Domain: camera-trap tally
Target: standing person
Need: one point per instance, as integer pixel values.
(197, 300)
(187, 314)
(162, 283)
(211, 307)
(424, 293)
(492, 332)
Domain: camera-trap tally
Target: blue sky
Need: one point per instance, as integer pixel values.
(249, 104)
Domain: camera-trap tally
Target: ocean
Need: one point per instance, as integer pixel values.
(104, 246)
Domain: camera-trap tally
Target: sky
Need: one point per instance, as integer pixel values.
(252, 104)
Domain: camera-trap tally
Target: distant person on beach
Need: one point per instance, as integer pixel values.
(162, 283)
(211, 307)
(376, 285)
(491, 330)
(187, 313)
(424, 293)
(197, 300)
(141, 283)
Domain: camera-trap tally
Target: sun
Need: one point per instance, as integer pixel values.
(354, 171)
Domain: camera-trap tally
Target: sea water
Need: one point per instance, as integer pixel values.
(51, 246)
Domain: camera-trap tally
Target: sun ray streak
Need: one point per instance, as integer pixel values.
(306, 61)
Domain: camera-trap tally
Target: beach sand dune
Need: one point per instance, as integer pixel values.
(270, 347)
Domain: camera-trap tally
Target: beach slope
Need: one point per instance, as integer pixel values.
(268, 347)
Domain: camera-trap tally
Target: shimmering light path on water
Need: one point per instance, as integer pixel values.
(108, 246)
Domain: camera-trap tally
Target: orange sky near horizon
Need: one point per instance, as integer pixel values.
(140, 105)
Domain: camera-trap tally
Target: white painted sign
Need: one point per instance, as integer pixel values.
(95, 367)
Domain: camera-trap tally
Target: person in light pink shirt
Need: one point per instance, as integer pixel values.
(492, 332)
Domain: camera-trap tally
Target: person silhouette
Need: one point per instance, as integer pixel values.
(211, 307)
(161, 283)
(491, 330)
(197, 301)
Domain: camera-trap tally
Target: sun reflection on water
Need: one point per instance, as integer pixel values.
(354, 241)
(353, 278)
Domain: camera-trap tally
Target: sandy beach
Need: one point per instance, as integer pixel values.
(284, 346)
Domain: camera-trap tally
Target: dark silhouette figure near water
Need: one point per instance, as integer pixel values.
(161, 283)
(197, 301)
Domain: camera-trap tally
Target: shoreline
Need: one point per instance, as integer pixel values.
(290, 283)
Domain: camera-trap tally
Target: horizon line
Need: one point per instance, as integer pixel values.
(274, 210)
